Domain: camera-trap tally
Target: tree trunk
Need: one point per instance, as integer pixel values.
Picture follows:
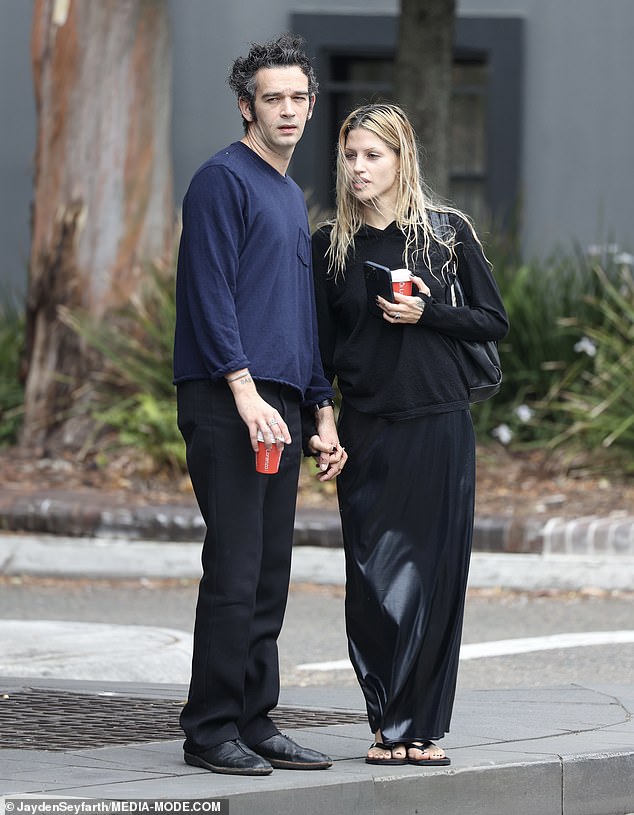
(423, 70)
(103, 185)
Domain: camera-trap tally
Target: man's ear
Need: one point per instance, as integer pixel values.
(311, 106)
(245, 109)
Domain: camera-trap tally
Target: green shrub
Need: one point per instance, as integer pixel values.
(147, 422)
(134, 392)
(537, 296)
(592, 403)
(541, 298)
(135, 340)
(11, 389)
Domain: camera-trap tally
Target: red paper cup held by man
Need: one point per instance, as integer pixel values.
(267, 461)
(402, 282)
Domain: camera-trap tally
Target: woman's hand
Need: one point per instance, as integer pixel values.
(330, 456)
(406, 309)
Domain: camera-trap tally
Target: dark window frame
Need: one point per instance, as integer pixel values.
(499, 38)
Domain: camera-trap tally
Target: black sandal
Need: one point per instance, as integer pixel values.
(380, 746)
(424, 746)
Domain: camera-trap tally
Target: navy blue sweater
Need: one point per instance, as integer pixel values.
(244, 291)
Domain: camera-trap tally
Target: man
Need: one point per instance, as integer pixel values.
(246, 362)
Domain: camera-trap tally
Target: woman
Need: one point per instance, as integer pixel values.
(407, 493)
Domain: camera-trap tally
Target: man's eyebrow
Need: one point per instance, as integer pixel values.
(266, 94)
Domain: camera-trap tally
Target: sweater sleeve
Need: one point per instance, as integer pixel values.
(325, 320)
(319, 387)
(213, 232)
(483, 317)
(319, 268)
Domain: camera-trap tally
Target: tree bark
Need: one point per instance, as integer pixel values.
(103, 185)
(423, 71)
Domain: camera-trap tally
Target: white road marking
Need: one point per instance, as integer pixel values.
(500, 648)
(551, 642)
(337, 665)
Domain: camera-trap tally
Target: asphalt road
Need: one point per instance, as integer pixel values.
(314, 628)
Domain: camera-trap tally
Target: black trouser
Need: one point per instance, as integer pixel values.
(246, 563)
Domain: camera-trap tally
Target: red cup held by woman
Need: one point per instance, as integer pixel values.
(402, 282)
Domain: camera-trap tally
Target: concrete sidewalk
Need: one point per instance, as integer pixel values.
(74, 557)
(557, 751)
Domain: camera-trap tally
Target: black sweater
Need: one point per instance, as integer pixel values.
(399, 371)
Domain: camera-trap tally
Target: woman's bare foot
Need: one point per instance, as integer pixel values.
(424, 753)
(399, 751)
(380, 753)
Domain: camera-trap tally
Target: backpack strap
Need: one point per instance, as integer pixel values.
(440, 224)
(442, 229)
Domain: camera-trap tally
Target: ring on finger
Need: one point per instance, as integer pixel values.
(397, 316)
(273, 422)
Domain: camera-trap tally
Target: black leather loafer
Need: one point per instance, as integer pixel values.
(284, 754)
(230, 758)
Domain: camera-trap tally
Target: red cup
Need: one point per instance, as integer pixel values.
(401, 282)
(267, 461)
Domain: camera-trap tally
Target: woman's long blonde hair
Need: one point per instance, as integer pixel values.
(414, 200)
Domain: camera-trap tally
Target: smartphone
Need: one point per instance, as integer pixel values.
(378, 281)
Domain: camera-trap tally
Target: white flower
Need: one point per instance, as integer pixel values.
(586, 346)
(503, 433)
(598, 250)
(624, 259)
(524, 413)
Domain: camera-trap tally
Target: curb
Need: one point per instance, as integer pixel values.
(97, 516)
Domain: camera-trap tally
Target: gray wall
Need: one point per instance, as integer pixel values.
(578, 143)
(578, 147)
(17, 141)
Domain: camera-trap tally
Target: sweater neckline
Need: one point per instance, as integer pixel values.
(375, 230)
(261, 162)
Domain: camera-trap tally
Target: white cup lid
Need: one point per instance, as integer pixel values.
(400, 275)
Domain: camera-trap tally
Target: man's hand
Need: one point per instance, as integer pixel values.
(330, 455)
(256, 413)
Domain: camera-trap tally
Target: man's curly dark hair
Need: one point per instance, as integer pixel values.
(285, 50)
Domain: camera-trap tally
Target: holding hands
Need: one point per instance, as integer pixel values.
(329, 454)
(262, 418)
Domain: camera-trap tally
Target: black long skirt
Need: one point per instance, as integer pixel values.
(406, 498)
